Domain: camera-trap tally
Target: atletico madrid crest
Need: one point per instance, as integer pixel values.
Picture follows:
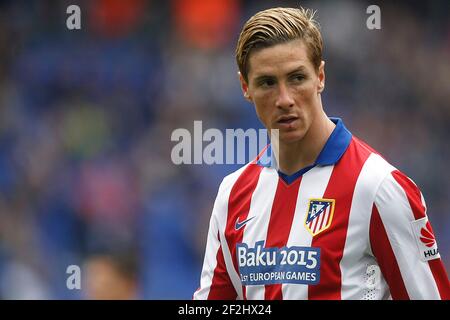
(320, 215)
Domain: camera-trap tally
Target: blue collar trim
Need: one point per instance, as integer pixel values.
(336, 144)
(332, 151)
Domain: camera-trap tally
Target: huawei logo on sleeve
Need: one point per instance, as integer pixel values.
(427, 236)
(425, 239)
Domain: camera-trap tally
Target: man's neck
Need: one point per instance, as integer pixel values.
(295, 156)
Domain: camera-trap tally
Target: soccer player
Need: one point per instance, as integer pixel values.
(328, 218)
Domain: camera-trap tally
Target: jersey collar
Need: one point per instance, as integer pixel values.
(332, 151)
(336, 144)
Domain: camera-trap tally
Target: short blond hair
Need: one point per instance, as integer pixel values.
(278, 25)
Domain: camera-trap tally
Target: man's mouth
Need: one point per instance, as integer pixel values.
(286, 120)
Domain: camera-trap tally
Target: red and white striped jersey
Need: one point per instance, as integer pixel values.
(351, 226)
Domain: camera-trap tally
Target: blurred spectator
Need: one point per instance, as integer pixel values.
(111, 276)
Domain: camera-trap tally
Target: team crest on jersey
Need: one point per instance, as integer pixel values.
(320, 215)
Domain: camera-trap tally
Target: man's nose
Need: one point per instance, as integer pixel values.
(284, 98)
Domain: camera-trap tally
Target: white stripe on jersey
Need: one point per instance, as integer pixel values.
(213, 244)
(261, 206)
(395, 210)
(235, 279)
(315, 181)
(209, 260)
(357, 243)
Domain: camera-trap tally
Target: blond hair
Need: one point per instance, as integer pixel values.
(278, 25)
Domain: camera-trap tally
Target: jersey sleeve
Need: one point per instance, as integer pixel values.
(403, 242)
(215, 283)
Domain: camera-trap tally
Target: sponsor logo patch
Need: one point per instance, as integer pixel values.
(263, 266)
(425, 239)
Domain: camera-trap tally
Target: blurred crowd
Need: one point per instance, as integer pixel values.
(86, 118)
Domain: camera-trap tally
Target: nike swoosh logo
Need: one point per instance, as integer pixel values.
(239, 225)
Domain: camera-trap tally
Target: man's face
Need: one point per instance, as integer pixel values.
(285, 88)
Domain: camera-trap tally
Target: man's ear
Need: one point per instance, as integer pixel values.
(321, 76)
(244, 87)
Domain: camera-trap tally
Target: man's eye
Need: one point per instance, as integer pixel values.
(298, 77)
(267, 83)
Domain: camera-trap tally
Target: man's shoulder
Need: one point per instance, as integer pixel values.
(378, 176)
(229, 180)
(228, 183)
(371, 156)
(375, 167)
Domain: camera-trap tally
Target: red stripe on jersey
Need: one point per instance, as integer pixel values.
(441, 278)
(239, 206)
(281, 217)
(332, 241)
(221, 286)
(412, 192)
(381, 248)
(418, 209)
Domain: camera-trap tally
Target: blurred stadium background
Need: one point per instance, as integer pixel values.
(86, 118)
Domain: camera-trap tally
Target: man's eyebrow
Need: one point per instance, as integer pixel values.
(263, 77)
(269, 76)
(298, 69)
